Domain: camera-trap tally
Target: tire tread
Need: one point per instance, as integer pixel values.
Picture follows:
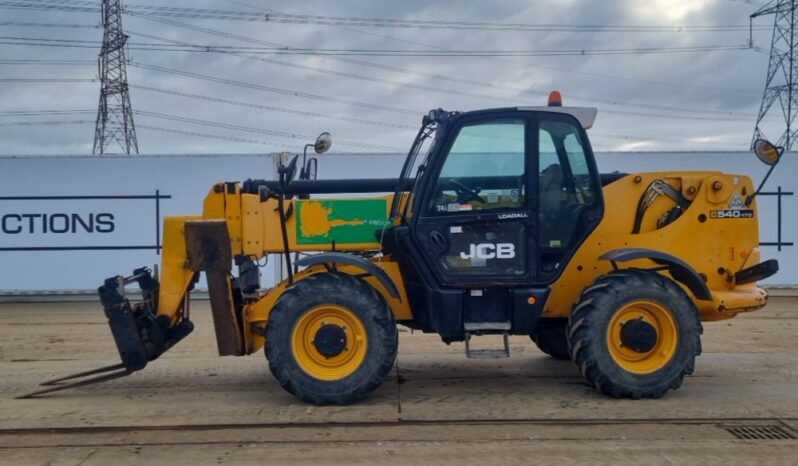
(333, 285)
(584, 330)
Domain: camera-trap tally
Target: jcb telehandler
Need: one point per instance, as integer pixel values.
(505, 226)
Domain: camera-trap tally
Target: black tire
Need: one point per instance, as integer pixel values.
(592, 316)
(357, 297)
(551, 338)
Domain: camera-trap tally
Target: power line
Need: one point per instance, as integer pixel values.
(89, 3)
(416, 23)
(317, 97)
(151, 128)
(360, 77)
(250, 129)
(210, 48)
(401, 70)
(216, 136)
(26, 61)
(46, 7)
(273, 108)
(46, 123)
(565, 70)
(677, 117)
(729, 117)
(577, 98)
(638, 138)
(275, 90)
(219, 14)
(367, 105)
(314, 97)
(44, 112)
(49, 25)
(679, 85)
(48, 80)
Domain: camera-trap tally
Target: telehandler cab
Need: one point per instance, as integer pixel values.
(505, 227)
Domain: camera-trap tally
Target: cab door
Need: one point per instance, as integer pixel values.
(570, 203)
(475, 221)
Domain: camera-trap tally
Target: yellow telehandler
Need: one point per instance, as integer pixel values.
(499, 224)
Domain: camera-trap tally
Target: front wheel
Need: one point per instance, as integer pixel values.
(331, 339)
(634, 334)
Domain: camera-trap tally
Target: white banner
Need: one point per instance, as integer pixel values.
(67, 223)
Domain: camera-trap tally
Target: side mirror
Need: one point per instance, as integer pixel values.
(312, 170)
(288, 172)
(323, 143)
(768, 153)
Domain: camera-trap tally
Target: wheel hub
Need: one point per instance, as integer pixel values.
(330, 340)
(639, 336)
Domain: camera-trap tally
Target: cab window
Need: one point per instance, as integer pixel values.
(565, 185)
(484, 169)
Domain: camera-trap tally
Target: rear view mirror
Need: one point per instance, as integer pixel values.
(291, 170)
(287, 172)
(323, 143)
(768, 153)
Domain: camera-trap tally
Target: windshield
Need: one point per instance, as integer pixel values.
(413, 167)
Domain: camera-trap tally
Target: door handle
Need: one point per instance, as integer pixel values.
(438, 240)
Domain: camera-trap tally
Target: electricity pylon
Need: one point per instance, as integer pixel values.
(114, 115)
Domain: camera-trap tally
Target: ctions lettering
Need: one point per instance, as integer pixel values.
(80, 222)
(59, 223)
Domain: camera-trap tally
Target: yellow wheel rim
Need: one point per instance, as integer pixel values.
(666, 343)
(316, 364)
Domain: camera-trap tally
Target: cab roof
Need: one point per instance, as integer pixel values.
(585, 115)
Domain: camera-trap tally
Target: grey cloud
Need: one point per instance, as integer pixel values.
(732, 81)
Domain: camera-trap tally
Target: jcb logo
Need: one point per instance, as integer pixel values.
(490, 251)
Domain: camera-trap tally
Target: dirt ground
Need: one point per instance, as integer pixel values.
(436, 407)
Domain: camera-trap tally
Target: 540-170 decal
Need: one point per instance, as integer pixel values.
(731, 213)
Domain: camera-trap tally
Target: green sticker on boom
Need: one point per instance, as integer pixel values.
(345, 221)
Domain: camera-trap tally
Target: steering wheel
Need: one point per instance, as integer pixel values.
(465, 193)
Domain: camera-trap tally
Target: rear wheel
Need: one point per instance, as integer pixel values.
(550, 337)
(634, 334)
(330, 339)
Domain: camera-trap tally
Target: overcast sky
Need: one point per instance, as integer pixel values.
(680, 101)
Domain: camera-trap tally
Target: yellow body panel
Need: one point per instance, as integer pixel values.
(175, 276)
(716, 248)
(255, 233)
(233, 216)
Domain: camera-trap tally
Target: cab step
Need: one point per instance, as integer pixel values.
(479, 329)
